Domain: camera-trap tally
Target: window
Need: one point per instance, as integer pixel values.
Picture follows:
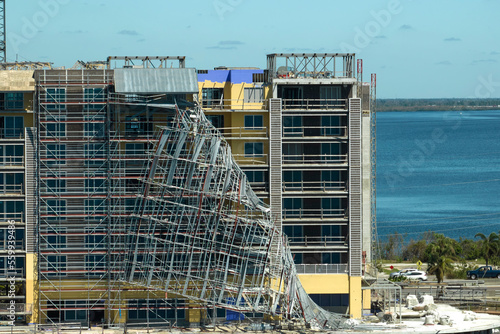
(257, 176)
(95, 154)
(95, 183)
(330, 96)
(14, 101)
(292, 207)
(95, 206)
(12, 126)
(157, 309)
(137, 125)
(56, 265)
(6, 266)
(330, 152)
(292, 126)
(211, 97)
(16, 235)
(330, 230)
(95, 238)
(56, 238)
(330, 126)
(254, 149)
(331, 207)
(135, 149)
(55, 209)
(254, 122)
(55, 126)
(11, 155)
(11, 183)
(55, 182)
(293, 152)
(294, 232)
(216, 120)
(292, 180)
(56, 154)
(75, 310)
(253, 95)
(330, 258)
(12, 210)
(329, 300)
(95, 264)
(331, 180)
(54, 98)
(95, 97)
(93, 126)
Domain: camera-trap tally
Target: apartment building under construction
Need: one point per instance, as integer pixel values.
(299, 129)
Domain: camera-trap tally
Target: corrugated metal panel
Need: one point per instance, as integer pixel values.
(275, 177)
(355, 189)
(156, 80)
(30, 175)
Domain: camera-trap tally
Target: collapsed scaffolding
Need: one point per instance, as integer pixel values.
(90, 145)
(199, 231)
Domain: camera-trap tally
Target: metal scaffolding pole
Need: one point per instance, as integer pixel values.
(200, 232)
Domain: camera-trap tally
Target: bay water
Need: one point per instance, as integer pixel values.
(438, 171)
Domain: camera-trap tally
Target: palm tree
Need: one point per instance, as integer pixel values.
(440, 254)
(442, 265)
(489, 245)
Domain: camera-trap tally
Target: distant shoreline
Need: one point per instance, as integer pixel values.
(414, 105)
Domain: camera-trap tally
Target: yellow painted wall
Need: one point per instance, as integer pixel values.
(367, 299)
(337, 284)
(234, 95)
(355, 306)
(28, 101)
(31, 286)
(325, 283)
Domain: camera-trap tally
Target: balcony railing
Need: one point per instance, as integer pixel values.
(315, 186)
(229, 104)
(18, 217)
(19, 308)
(18, 244)
(242, 132)
(12, 133)
(314, 104)
(320, 241)
(322, 268)
(14, 161)
(314, 159)
(257, 159)
(8, 189)
(15, 272)
(320, 213)
(314, 131)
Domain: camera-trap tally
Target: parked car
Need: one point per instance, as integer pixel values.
(416, 275)
(483, 272)
(401, 273)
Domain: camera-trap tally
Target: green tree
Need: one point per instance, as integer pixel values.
(489, 245)
(415, 250)
(440, 255)
(471, 249)
(441, 266)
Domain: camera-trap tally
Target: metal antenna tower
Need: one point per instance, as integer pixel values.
(3, 50)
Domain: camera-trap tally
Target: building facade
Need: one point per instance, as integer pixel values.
(294, 128)
(16, 260)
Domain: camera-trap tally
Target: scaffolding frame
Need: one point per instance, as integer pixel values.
(3, 36)
(146, 62)
(200, 231)
(98, 204)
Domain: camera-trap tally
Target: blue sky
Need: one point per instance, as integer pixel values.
(438, 48)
